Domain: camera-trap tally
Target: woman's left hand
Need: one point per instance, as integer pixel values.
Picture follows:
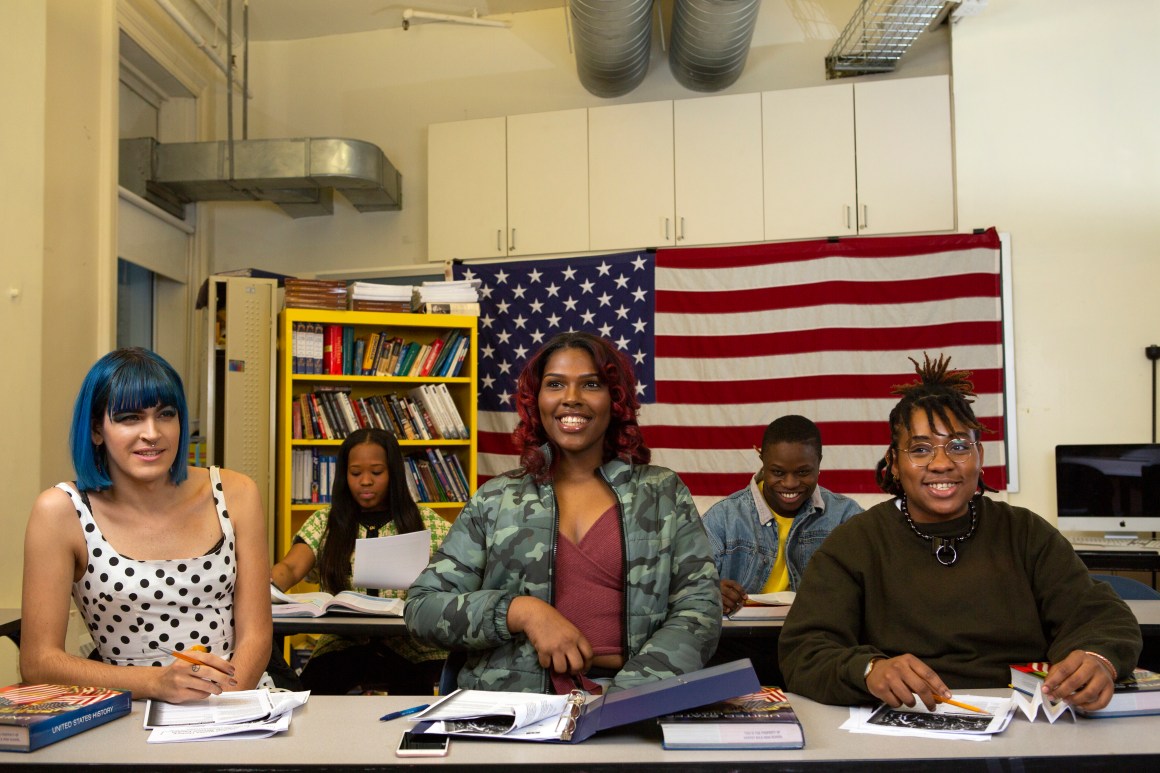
(1081, 679)
(559, 644)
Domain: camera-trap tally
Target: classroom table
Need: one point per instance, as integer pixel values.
(344, 733)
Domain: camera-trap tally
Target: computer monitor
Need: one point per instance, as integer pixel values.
(1112, 488)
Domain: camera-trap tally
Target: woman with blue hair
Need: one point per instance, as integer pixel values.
(171, 584)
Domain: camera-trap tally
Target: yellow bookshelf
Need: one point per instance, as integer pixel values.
(421, 328)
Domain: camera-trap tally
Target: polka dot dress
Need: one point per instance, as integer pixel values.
(134, 609)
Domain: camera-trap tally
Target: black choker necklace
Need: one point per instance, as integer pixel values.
(942, 548)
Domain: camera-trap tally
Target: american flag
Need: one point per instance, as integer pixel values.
(726, 339)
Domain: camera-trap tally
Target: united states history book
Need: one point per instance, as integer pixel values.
(576, 717)
(758, 720)
(35, 715)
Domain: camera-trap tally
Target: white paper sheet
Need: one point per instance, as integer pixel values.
(391, 562)
(1000, 710)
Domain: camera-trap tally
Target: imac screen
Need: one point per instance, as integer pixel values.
(1113, 488)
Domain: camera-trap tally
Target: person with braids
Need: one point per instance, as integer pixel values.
(942, 587)
(369, 499)
(587, 566)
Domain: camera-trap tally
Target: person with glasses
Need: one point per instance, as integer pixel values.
(944, 588)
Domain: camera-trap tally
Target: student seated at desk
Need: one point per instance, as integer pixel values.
(942, 587)
(763, 535)
(369, 499)
(155, 562)
(585, 563)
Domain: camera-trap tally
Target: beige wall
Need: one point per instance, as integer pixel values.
(22, 220)
(1056, 115)
(387, 86)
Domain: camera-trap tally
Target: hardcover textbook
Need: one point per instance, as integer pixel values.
(35, 715)
(320, 603)
(759, 720)
(573, 718)
(1136, 695)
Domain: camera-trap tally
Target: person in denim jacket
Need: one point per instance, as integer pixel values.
(763, 536)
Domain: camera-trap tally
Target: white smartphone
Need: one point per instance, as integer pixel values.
(423, 745)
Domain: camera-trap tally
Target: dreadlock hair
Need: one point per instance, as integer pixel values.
(941, 394)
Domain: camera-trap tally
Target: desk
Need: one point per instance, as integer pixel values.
(333, 732)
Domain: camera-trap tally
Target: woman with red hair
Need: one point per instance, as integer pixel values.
(587, 566)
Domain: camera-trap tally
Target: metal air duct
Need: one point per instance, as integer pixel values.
(613, 41)
(299, 175)
(709, 41)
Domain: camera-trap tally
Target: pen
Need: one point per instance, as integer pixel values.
(961, 705)
(403, 713)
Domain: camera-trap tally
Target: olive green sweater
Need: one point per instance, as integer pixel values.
(1017, 593)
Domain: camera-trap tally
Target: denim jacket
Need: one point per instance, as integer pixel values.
(743, 534)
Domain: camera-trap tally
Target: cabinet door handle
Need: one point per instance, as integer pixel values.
(512, 243)
(498, 238)
(666, 229)
(681, 232)
(847, 211)
(865, 221)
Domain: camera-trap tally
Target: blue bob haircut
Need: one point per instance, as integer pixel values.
(130, 379)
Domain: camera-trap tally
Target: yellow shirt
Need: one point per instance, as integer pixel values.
(778, 579)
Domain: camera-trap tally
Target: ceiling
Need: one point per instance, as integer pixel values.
(296, 19)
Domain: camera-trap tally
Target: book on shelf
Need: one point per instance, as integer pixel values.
(320, 603)
(452, 412)
(1138, 694)
(35, 715)
(464, 308)
(758, 720)
(575, 717)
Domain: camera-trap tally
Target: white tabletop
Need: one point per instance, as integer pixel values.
(345, 731)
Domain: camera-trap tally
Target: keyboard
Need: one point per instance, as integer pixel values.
(1111, 543)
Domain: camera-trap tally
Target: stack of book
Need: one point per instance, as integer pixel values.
(367, 296)
(438, 478)
(452, 297)
(316, 294)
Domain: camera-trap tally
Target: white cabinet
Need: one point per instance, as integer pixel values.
(864, 158)
(467, 189)
(547, 182)
(718, 170)
(630, 176)
(508, 186)
(810, 173)
(905, 167)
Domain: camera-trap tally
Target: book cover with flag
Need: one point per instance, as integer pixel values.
(725, 339)
(35, 715)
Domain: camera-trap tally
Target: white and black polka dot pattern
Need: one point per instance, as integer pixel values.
(135, 608)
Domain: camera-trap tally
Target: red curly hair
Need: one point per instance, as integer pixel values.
(622, 440)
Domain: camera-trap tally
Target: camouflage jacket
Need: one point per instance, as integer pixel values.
(503, 545)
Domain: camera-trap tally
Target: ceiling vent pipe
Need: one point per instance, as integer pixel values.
(613, 41)
(709, 42)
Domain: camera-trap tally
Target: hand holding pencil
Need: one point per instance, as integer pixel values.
(899, 680)
(195, 674)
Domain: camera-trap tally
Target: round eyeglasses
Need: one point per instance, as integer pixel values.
(957, 450)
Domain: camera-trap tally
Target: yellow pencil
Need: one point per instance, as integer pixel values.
(183, 656)
(961, 705)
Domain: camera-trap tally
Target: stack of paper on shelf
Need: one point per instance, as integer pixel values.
(369, 296)
(451, 297)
